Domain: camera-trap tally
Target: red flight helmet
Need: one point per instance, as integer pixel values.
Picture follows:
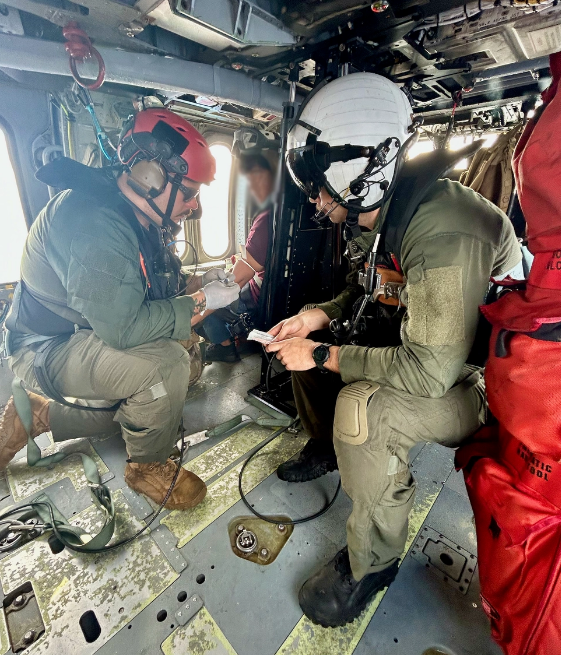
(159, 134)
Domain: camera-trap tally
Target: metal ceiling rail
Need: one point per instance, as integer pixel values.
(168, 74)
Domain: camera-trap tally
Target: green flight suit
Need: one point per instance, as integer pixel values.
(455, 242)
(81, 259)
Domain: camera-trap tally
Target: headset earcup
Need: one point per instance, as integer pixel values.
(147, 178)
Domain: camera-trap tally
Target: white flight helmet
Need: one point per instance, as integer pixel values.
(349, 137)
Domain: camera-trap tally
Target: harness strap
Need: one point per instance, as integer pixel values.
(415, 181)
(101, 496)
(392, 283)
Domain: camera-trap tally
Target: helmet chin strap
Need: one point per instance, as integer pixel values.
(167, 223)
(352, 229)
(171, 226)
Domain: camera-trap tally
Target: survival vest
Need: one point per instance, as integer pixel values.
(512, 469)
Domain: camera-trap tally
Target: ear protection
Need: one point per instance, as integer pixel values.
(147, 178)
(143, 155)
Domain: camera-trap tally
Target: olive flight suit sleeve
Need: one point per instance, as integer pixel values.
(447, 279)
(103, 282)
(342, 305)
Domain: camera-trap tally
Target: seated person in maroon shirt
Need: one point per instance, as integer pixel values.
(249, 269)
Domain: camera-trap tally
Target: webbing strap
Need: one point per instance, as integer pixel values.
(101, 495)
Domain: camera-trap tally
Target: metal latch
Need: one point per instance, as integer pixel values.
(23, 618)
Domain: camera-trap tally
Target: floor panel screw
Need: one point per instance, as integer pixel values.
(281, 527)
(19, 601)
(29, 636)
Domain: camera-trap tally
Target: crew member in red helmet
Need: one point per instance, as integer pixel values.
(98, 269)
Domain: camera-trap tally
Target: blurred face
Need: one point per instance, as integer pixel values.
(325, 203)
(260, 183)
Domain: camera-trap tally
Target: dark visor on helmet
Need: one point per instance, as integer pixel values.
(304, 171)
(307, 164)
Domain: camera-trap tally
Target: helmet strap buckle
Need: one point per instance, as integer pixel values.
(352, 229)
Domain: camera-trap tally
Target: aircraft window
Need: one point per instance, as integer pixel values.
(215, 200)
(420, 147)
(13, 229)
(456, 142)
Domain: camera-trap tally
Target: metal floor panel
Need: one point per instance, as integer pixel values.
(248, 608)
(420, 611)
(116, 585)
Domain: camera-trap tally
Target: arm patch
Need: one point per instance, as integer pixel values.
(435, 307)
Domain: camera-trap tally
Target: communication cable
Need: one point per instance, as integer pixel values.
(245, 501)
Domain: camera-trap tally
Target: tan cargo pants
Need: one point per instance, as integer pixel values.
(151, 380)
(375, 473)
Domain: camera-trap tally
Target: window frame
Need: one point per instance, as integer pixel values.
(217, 138)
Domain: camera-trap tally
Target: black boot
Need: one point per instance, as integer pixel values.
(332, 597)
(216, 352)
(316, 459)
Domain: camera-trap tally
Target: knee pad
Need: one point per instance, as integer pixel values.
(351, 424)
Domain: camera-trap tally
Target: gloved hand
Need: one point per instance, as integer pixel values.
(213, 274)
(221, 293)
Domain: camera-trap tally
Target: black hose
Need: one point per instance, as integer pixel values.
(305, 519)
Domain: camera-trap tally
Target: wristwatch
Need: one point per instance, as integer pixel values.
(320, 355)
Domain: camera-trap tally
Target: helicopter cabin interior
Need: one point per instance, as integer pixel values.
(471, 70)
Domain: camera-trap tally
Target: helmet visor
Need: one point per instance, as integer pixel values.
(304, 170)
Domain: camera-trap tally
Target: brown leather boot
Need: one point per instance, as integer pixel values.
(12, 432)
(154, 479)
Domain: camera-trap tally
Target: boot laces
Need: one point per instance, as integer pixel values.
(165, 471)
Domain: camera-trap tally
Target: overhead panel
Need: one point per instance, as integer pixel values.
(219, 24)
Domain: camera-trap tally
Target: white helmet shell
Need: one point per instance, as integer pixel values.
(361, 109)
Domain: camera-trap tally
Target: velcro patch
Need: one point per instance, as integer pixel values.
(158, 390)
(436, 308)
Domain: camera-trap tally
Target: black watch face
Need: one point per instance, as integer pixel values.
(320, 354)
